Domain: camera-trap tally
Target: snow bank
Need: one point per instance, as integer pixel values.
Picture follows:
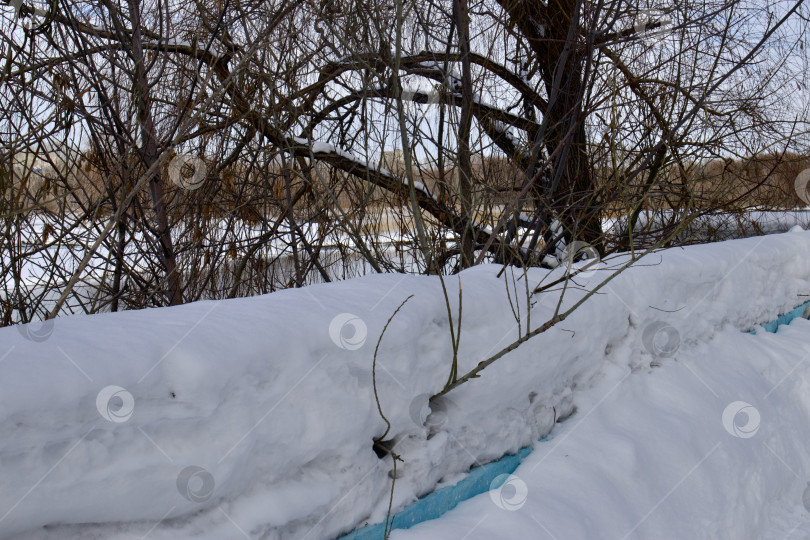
(665, 456)
(255, 417)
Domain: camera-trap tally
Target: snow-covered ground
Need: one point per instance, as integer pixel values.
(255, 417)
(713, 444)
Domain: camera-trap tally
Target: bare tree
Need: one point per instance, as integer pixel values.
(230, 147)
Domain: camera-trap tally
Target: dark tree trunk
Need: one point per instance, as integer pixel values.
(568, 192)
(465, 174)
(149, 154)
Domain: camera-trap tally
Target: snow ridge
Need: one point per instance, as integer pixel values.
(258, 414)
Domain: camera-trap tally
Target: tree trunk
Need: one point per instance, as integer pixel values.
(572, 190)
(149, 155)
(465, 175)
(553, 33)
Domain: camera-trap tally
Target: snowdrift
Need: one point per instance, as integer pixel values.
(255, 417)
(710, 446)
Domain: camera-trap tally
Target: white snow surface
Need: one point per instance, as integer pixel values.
(271, 398)
(648, 455)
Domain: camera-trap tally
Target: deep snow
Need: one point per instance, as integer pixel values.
(255, 417)
(711, 445)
